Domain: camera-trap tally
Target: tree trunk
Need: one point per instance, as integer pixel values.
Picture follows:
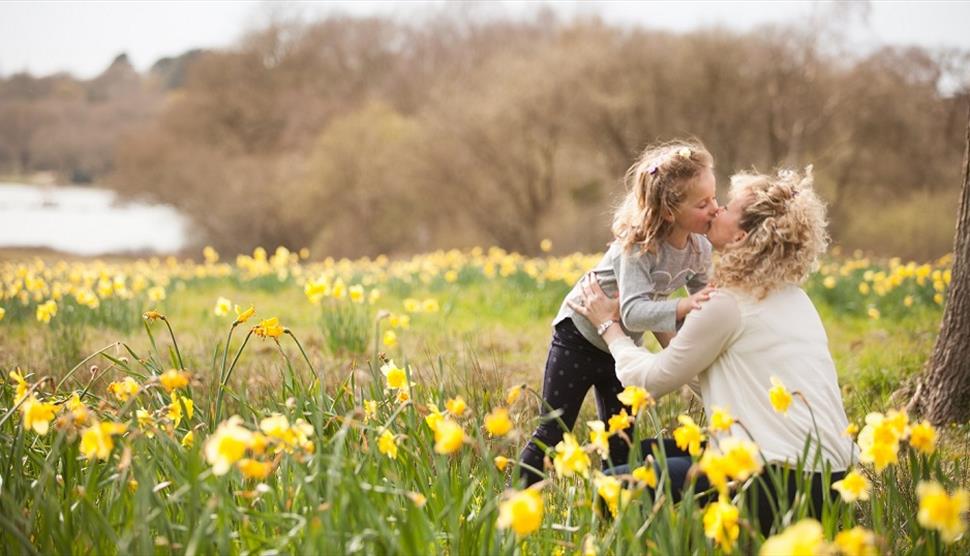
(944, 394)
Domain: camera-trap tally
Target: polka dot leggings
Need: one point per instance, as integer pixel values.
(573, 366)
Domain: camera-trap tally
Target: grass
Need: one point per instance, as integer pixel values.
(157, 493)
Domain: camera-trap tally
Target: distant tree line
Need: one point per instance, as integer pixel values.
(359, 136)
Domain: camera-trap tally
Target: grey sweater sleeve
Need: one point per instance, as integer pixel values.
(638, 310)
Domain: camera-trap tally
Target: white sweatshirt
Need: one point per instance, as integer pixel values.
(734, 344)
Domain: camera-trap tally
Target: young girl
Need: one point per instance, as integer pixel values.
(658, 248)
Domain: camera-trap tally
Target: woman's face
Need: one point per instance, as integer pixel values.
(725, 228)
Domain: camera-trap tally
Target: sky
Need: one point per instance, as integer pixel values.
(82, 38)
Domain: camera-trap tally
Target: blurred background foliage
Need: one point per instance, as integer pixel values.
(362, 136)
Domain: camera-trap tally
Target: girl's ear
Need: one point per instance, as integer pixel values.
(740, 236)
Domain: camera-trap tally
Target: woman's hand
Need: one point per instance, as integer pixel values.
(597, 306)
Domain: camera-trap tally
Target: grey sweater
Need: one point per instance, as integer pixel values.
(645, 282)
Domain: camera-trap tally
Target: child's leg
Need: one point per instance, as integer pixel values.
(608, 387)
(564, 387)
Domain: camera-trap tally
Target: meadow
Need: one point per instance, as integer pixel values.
(279, 405)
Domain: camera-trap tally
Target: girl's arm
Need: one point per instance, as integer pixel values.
(699, 343)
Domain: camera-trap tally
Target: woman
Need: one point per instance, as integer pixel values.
(758, 327)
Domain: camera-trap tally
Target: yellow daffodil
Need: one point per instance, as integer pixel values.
(227, 445)
(854, 486)
(721, 419)
(611, 491)
(599, 438)
(96, 440)
(46, 311)
(621, 421)
(636, 398)
(857, 541)
(156, 294)
(851, 431)
(688, 435)
(545, 245)
(37, 415)
(370, 409)
(255, 469)
(434, 417)
(570, 458)
(941, 511)
(779, 396)
(396, 377)
(513, 394)
(390, 339)
(721, 524)
(879, 441)
(173, 379)
(188, 440)
(646, 474)
(269, 328)
(125, 389)
(448, 437)
(805, 537)
(456, 406)
(521, 512)
(356, 293)
(497, 422)
(79, 411)
(922, 436)
(22, 387)
(3, 313)
(175, 409)
(430, 306)
(243, 315)
(501, 462)
(387, 444)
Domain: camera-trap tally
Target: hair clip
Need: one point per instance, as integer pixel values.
(652, 169)
(684, 152)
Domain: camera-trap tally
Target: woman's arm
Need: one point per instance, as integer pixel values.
(699, 343)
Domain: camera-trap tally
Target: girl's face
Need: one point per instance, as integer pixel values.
(697, 212)
(726, 229)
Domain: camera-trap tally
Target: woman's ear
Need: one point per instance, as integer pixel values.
(740, 236)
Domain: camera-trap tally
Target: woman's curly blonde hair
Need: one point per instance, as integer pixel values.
(785, 223)
(657, 183)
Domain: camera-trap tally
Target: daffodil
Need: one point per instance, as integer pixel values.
(222, 308)
(254, 469)
(175, 409)
(570, 458)
(721, 419)
(125, 389)
(390, 339)
(611, 491)
(599, 438)
(37, 415)
(96, 440)
(854, 486)
(646, 474)
(688, 435)
(22, 387)
(188, 440)
(941, 511)
(497, 422)
(779, 396)
(227, 445)
(620, 421)
(501, 462)
(387, 444)
(370, 409)
(456, 406)
(513, 393)
(173, 379)
(243, 315)
(721, 524)
(857, 541)
(805, 537)
(521, 512)
(46, 311)
(636, 398)
(448, 437)
(396, 376)
(922, 436)
(879, 440)
(269, 328)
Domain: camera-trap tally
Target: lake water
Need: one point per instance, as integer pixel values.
(86, 221)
